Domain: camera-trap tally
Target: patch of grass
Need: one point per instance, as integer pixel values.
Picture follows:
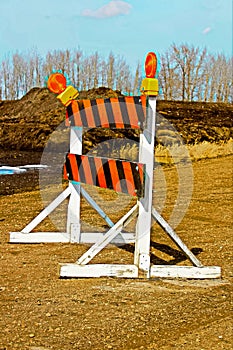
(129, 152)
(207, 150)
(174, 154)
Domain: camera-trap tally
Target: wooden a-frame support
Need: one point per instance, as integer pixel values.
(143, 209)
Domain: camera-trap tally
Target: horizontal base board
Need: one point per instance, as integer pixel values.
(123, 238)
(39, 237)
(98, 270)
(131, 271)
(64, 237)
(191, 272)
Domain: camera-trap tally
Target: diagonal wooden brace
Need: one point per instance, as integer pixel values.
(107, 238)
(175, 238)
(44, 213)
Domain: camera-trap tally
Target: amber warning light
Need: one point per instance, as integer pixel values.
(151, 65)
(150, 85)
(57, 83)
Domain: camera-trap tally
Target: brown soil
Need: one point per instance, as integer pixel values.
(39, 311)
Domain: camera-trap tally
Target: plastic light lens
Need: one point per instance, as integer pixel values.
(151, 65)
(56, 83)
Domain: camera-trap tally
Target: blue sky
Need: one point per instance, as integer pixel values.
(129, 28)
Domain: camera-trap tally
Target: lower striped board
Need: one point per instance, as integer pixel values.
(118, 175)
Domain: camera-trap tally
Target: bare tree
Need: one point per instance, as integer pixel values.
(95, 69)
(17, 82)
(48, 65)
(110, 70)
(180, 56)
(195, 72)
(103, 73)
(204, 87)
(6, 72)
(120, 69)
(74, 74)
(137, 80)
(182, 72)
(228, 81)
(168, 77)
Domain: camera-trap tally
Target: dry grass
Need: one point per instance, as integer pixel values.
(181, 153)
(207, 150)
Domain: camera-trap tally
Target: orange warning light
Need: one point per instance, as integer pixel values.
(151, 65)
(56, 83)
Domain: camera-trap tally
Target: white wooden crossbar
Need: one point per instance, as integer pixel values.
(25, 236)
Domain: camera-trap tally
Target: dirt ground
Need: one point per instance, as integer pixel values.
(40, 311)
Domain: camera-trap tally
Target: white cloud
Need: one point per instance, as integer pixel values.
(112, 9)
(206, 30)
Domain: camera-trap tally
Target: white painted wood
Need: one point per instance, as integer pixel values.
(98, 270)
(39, 237)
(193, 272)
(76, 139)
(175, 238)
(75, 232)
(93, 237)
(64, 237)
(106, 239)
(44, 213)
(146, 156)
(73, 212)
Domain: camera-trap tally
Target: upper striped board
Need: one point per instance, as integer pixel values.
(116, 113)
(118, 175)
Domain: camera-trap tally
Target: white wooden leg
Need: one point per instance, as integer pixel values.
(73, 214)
(146, 156)
(176, 239)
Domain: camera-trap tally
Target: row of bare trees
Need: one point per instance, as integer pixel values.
(186, 73)
(191, 74)
(21, 72)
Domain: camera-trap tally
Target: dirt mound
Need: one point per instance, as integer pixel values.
(101, 92)
(27, 123)
(199, 121)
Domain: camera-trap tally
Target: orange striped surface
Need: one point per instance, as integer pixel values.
(119, 113)
(119, 175)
